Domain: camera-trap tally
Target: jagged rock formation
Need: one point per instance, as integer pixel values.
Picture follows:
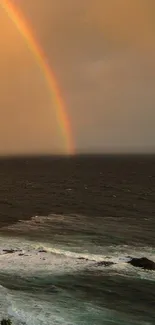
(143, 262)
(6, 322)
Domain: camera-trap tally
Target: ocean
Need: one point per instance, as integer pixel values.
(60, 217)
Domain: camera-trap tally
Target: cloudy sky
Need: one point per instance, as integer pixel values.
(103, 54)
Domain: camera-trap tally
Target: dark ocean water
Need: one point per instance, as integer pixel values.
(65, 215)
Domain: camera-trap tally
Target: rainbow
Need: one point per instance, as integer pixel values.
(57, 102)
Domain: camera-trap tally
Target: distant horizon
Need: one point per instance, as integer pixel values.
(63, 156)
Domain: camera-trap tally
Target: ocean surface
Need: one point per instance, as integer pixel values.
(59, 218)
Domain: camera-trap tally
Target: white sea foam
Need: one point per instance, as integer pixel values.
(72, 246)
(36, 309)
(30, 257)
(31, 309)
(59, 259)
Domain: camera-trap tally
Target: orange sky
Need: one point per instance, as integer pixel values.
(103, 53)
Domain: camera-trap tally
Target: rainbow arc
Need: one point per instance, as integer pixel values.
(57, 103)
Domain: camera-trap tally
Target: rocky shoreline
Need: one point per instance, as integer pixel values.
(141, 262)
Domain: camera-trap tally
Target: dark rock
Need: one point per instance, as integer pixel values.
(21, 254)
(142, 262)
(9, 251)
(6, 322)
(42, 251)
(105, 263)
(83, 258)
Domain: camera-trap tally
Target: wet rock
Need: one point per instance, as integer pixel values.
(143, 262)
(6, 322)
(83, 258)
(105, 263)
(42, 251)
(9, 251)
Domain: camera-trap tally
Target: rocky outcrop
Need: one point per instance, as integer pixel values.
(10, 251)
(42, 251)
(105, 263)
(83, 258)
(6, 322)
(142, 262)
